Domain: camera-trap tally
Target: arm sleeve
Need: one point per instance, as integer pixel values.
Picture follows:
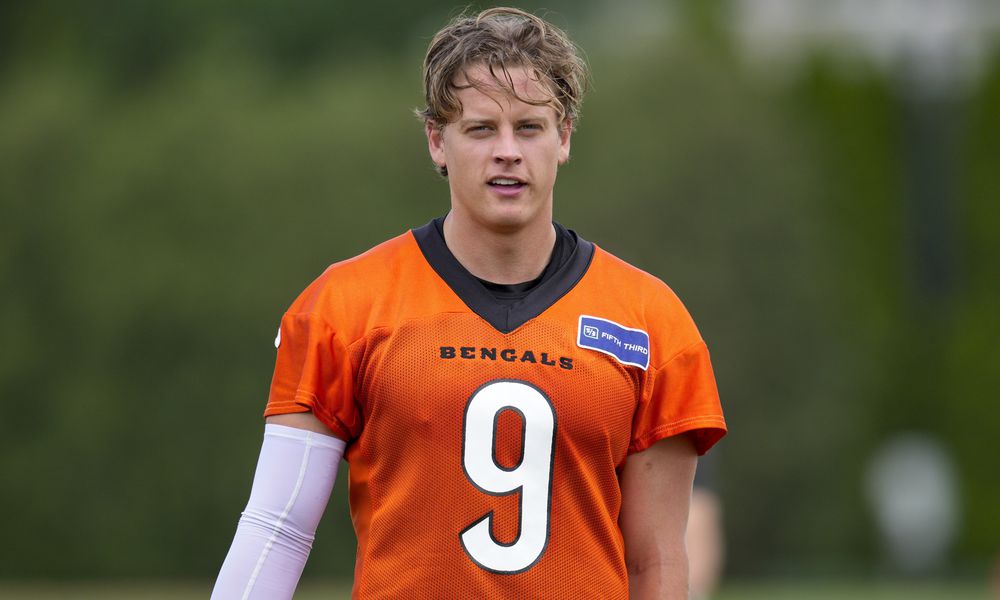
(295, 474)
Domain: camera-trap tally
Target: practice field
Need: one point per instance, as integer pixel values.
(747, 591)
(854, 591)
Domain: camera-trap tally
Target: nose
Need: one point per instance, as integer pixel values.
(506, 149)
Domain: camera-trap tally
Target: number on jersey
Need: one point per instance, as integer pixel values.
(532, 478)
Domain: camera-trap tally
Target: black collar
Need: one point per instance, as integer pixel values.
(503, 317)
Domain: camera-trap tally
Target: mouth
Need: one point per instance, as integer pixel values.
(506, 185)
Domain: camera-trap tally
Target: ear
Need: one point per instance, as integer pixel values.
(565, 132)
(435, 142)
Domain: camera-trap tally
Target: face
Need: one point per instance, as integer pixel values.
(502, 154)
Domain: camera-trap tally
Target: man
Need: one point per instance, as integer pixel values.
(521, 411)
(705, 539)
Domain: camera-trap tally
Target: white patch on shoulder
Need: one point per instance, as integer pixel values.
(277, 339)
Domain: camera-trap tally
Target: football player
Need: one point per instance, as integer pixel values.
(705, 532)
(521, 411)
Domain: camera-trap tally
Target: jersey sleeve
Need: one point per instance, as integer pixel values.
(682, 398)
(313, 373)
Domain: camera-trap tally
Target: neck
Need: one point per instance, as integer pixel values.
(505, 257)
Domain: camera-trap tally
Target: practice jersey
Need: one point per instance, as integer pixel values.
(485, 440)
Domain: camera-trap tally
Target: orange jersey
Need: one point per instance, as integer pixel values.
(485, 440)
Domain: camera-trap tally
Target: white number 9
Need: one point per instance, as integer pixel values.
(532, 477)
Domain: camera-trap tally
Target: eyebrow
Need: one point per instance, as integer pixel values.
(488, 121)
(468, 122)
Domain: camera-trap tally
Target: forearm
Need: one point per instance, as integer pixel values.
(664, 578)
(656, 494)
(295, 474)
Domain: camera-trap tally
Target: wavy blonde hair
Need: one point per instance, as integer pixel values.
(499, 39)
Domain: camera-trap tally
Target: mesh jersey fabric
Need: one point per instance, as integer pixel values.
(384, 352)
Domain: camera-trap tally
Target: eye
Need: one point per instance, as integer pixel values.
(478, 131)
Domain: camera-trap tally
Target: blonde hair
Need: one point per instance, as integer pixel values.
(499, 39)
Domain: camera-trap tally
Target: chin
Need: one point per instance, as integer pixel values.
(509, 220)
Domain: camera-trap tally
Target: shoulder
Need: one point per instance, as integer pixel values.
(355, 274)
(634, 284)
(648, 300)
(345, 293)
(374, 267)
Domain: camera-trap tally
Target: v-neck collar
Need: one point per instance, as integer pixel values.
(503, 318)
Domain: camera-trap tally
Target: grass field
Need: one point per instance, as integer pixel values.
(775, 590)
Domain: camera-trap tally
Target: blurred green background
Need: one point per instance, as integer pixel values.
(172, 174)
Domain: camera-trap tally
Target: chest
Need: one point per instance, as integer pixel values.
(420, 380)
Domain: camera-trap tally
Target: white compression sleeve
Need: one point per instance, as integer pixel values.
(295, 474)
